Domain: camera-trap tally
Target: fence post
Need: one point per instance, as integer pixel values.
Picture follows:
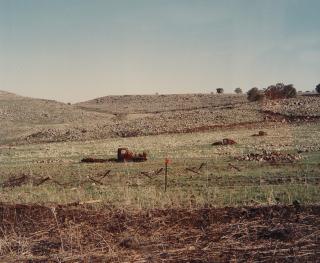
(166, 174)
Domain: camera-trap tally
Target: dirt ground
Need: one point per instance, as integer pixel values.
(83, 233)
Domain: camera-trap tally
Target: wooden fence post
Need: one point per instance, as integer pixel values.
(166, 174)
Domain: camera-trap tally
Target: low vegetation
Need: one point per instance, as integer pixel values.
(280, 91)
(220, 91)
(273, 92)
(255, 94)
(238, 91)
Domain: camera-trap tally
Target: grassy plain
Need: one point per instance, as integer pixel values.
(216, 183)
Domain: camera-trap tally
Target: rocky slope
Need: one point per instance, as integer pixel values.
(301, 106)
(22, 117)
(160, 103)
(27, 120)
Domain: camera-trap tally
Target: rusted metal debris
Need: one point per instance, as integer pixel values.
(124, 155)
(225, 141)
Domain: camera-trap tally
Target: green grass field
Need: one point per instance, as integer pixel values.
(216, 183)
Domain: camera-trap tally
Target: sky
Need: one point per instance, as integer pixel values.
(75, 50)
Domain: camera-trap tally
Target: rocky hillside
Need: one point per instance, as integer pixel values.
(160, 103)
(28, 120)
(302, 106)
(20, 109)
(181, 121)
(22, 117)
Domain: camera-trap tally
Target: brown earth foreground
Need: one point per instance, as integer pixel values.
(81, 233)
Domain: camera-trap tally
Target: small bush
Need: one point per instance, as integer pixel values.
(255, 94)
(220, 90)
(318, 88)
(280, 91)
(238, 90)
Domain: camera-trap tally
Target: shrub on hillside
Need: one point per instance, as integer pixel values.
(220, 90)
(318, 88)
(238, 90)
(280, 91)
(255, 94)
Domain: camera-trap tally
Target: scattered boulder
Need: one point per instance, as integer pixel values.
(260, 133)
(225, 141)
(272, 157)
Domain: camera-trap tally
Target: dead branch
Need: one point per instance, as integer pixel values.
(235, 167)
(16, 181)
(40, 181)
(95, 181)
(158, 171)
(146, 174)
(191, 170)
(105, 174)
(201, 166)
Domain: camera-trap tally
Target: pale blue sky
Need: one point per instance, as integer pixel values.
(74, 50)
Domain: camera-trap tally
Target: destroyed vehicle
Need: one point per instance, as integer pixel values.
(124, 155)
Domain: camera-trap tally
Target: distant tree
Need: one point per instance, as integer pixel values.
(255, 94)
(289, 91)
(280, 91)
(220, 90)
(318, 88)
(238, 90)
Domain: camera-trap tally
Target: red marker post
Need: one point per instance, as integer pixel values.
(166, 161)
